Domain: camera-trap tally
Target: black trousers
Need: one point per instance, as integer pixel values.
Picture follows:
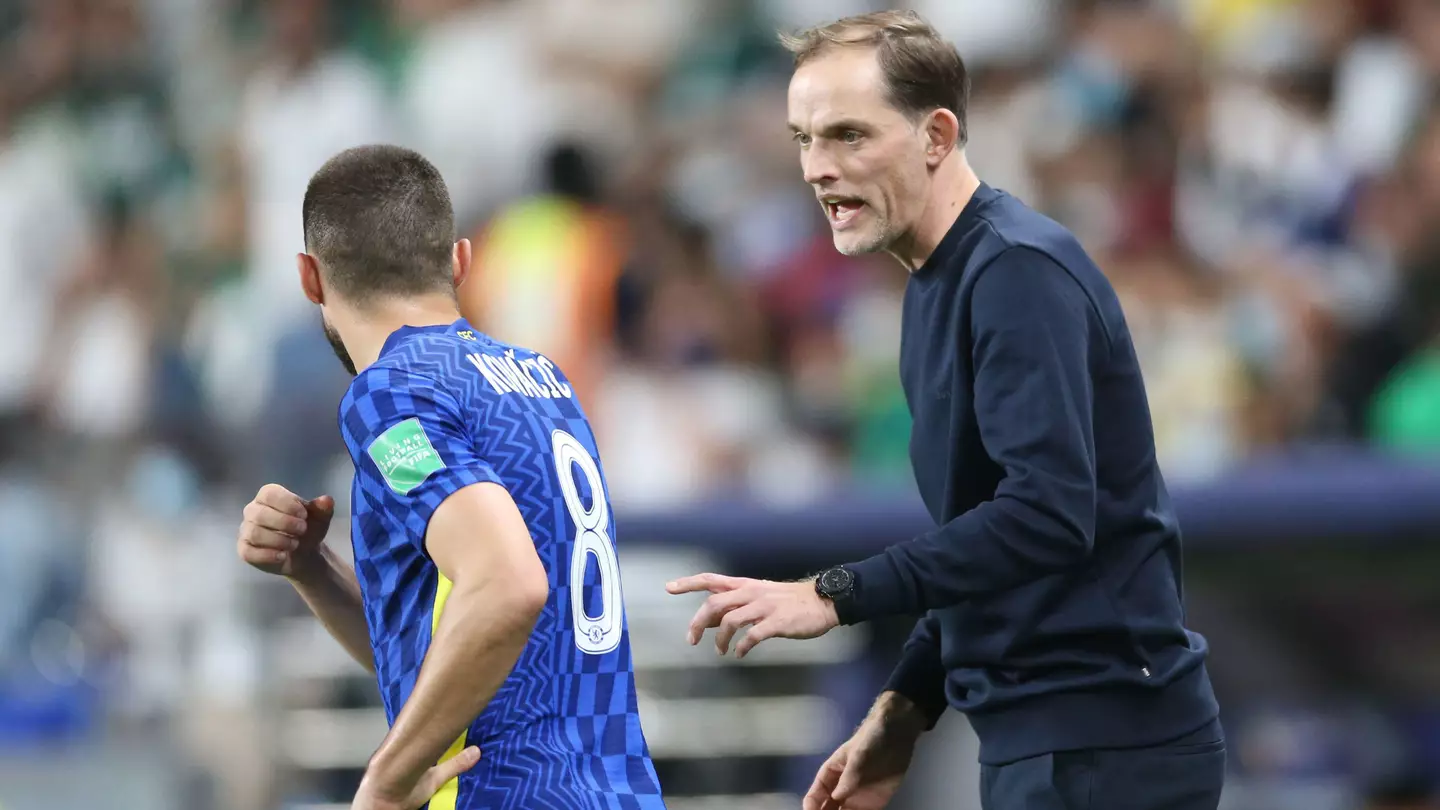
(1184, 774)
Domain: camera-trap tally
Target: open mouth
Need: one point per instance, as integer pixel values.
(841, 211)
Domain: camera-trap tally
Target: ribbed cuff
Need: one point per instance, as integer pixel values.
(879, 591)
(921, 677)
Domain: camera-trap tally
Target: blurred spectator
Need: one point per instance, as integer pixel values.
(604, 63)
(303, 103)
(128, 140)
(44, 226)
(546, 267)
(486, 52)
(1398, 214)
(101, 345)
(1406, 413)
(1194, 378)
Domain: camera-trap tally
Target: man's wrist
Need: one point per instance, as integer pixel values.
(382, 777)
(898, 713)
(836, 587)
(308, 569)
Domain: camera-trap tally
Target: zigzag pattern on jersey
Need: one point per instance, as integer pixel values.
(508, 441)
(525, 779)
(563, 731)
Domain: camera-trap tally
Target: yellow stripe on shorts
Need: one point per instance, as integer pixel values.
(446, 797)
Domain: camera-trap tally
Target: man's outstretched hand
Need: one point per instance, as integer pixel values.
(769, 609)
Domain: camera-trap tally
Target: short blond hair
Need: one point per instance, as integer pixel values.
(923, 71)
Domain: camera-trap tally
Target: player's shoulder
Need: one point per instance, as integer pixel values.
(390, 376)
(436, 355)
(416, 364)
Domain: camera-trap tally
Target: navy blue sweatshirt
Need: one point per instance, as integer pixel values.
(1051, 589)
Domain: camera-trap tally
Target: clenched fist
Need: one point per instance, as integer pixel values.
(282, 533)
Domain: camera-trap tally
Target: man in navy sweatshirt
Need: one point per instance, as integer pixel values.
(1051, 589)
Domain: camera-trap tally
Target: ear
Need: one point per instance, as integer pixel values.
(310, 278)
(942, 136)
(460, 260)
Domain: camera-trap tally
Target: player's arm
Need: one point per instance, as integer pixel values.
(283, 534)
(1033, 329)
(333, 594)
(479, 541)
(417, 464)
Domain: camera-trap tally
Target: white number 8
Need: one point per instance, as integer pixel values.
(600, 634)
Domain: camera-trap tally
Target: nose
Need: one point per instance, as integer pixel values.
(818, 166)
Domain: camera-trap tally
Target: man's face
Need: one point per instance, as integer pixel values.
(337, 344)
(865, 159)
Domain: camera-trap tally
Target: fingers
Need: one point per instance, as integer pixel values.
(269, 519)
(815, 799)
(436, 777)
(271, 526)
(712, 611)
(321, 507)
(819, 794)
(714, 583)
(818, 797)
(733, 621)
(768, 628)
(848, 783)
(255, 555)
(259, 546)
(281, 500)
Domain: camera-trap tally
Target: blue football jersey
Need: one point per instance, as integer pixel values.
(445, 407)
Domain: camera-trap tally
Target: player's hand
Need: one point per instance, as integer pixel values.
(769, 609)
(373, 796)
(865, 772)
(282, 533)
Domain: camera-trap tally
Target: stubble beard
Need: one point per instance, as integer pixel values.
(337, 345)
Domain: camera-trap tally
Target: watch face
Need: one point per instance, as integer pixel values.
(835, 581)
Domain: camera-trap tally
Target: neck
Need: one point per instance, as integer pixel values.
(365, 332)
(952, 187)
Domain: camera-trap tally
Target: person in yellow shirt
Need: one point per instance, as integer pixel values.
(545, 271)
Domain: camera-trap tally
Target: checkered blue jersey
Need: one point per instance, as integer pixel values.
(445, 407)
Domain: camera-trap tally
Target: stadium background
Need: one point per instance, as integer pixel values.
(1261, 178)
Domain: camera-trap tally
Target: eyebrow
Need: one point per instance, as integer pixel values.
(841, 125)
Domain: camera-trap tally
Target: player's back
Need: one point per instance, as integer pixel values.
(564, 729)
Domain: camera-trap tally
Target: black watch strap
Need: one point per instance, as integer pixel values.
(838, 585)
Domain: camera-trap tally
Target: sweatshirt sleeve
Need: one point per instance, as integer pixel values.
(1032, 329)
(920, 675)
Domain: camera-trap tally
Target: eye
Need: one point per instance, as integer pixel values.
(851, 137)
(801, 138)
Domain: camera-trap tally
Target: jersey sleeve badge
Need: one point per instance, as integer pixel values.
(405, 456)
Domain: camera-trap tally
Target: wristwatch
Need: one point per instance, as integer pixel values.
(838, 585)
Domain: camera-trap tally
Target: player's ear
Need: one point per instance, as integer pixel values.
(310, 278)
(461, 257)
(942, 136)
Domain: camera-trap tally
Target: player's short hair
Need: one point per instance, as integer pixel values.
(923, 71)
(379, 221)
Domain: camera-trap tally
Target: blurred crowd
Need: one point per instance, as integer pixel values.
(1260, 178)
